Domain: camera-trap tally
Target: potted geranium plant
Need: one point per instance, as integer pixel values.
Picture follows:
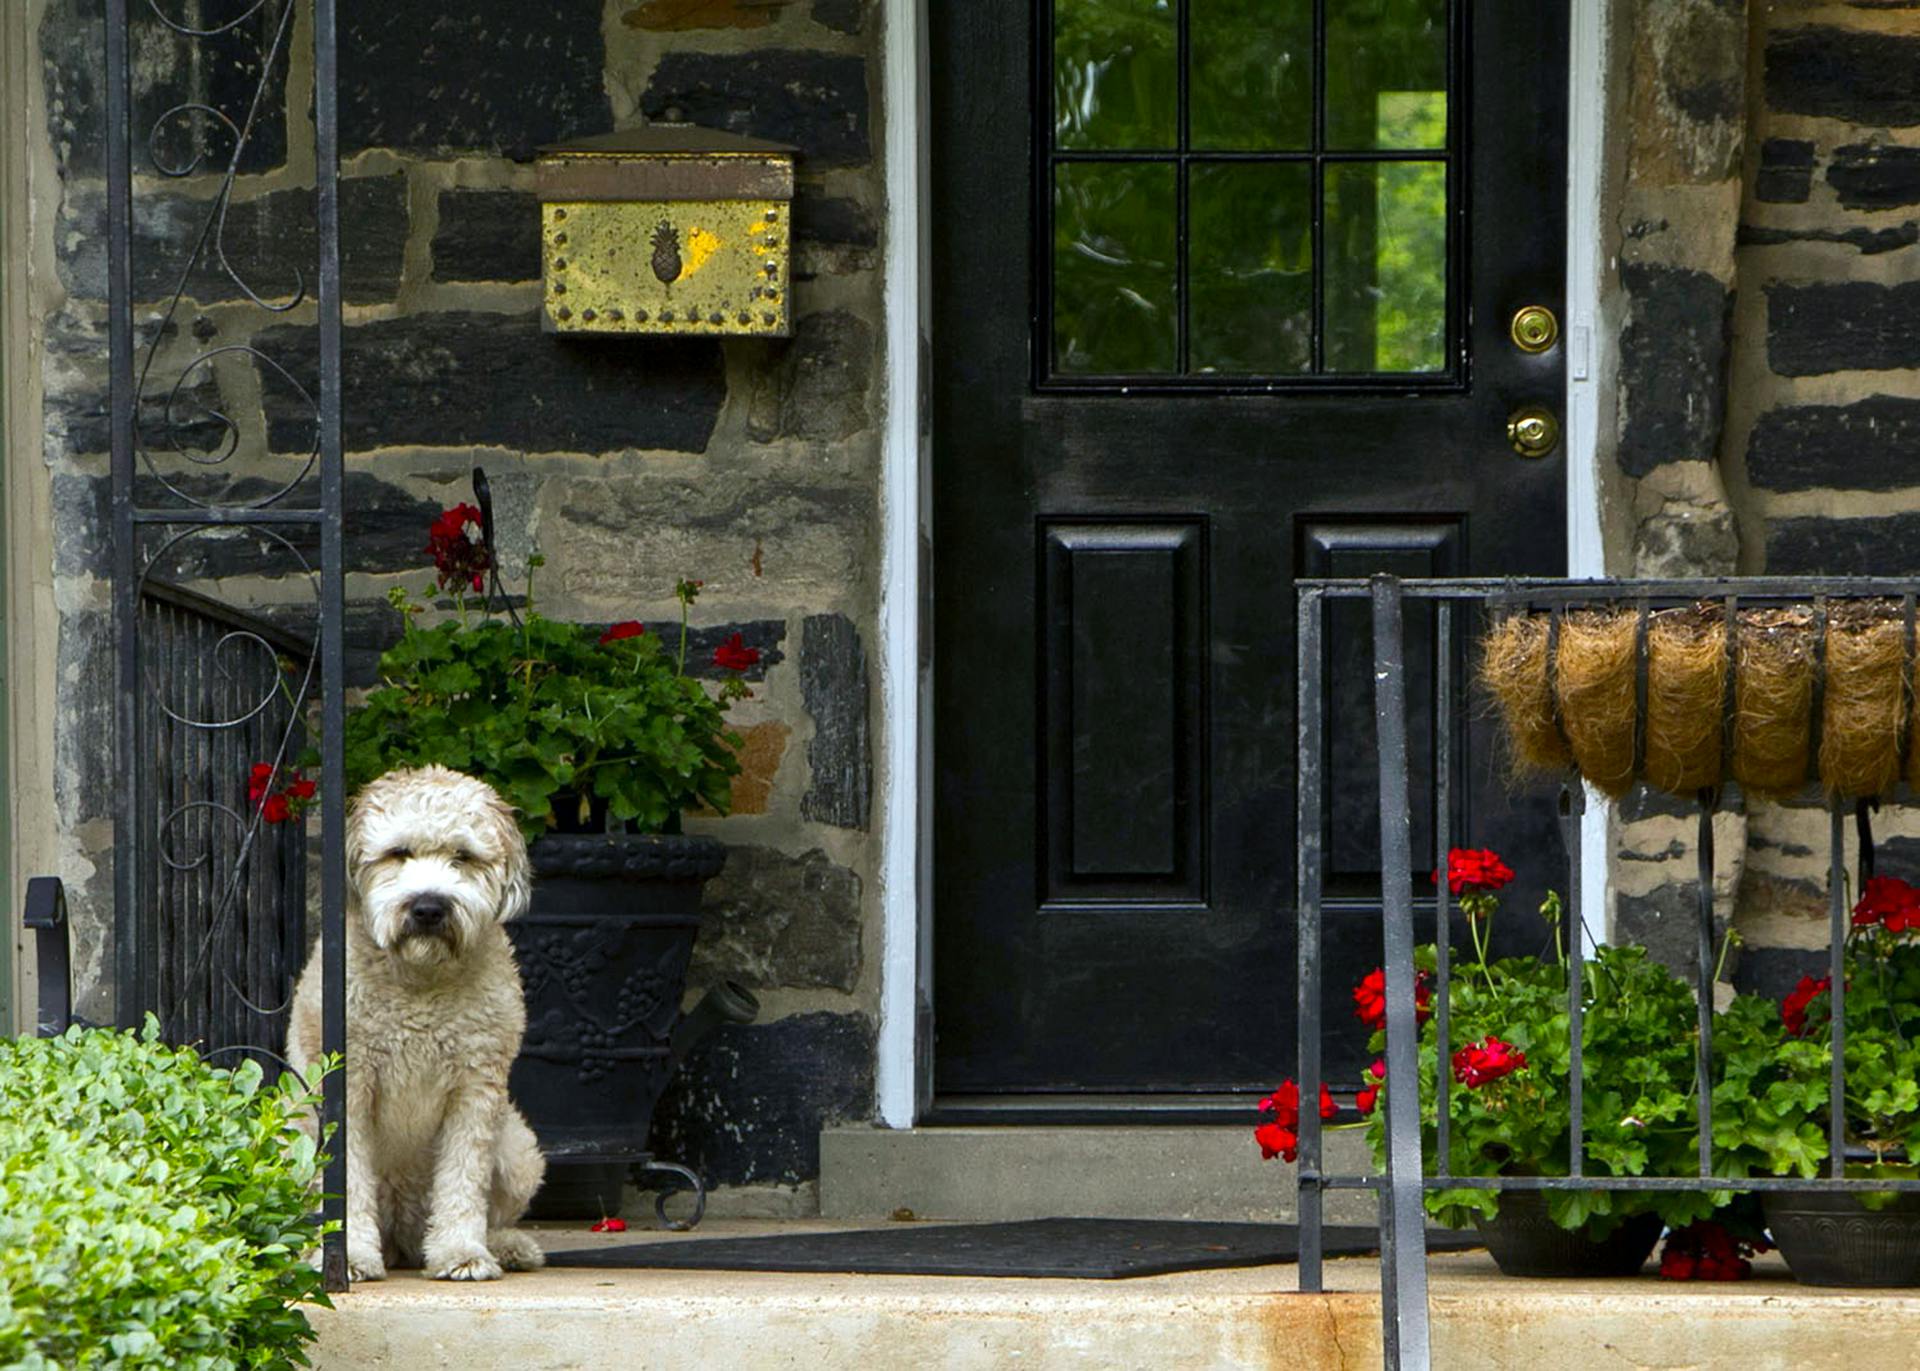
(1509, 1104)
(602, 742)
(1771, 1103)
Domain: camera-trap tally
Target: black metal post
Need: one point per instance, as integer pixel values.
(333, 774)
(1404, 1233)
(1573, 808)
(1837, 970)
(1703, 983)
(1309, 1198)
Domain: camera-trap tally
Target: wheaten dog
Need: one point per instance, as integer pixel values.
(440, 1165)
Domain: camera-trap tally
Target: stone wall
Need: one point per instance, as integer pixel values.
(752, 465)
(1769, 217)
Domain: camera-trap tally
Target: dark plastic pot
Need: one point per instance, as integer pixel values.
(1832, 1239)
(1524, 1241)
(603, 954)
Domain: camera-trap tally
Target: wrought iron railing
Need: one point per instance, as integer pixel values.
(1407, 1178)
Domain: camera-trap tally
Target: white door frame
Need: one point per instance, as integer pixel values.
(904, 1052)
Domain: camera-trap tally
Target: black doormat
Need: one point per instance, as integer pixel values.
(1088, 1249)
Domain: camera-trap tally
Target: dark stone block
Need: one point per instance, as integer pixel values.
(816, 386)
(1786, 171)
(440, 380)
(770, 920)
(1875, 176)
(842, 16)
(1673, 366)
(168, 421)
(487, 235)
(816, 101)
(833, 220)
(748, 1105)
(1870, 242)
(1775, 971)
(492, 78)
(1850, 74)
(833, 683)
(1897, 857)
(368, 628)
(1845, 326)
(1867, 445)
(270, 242)
(1884, 546)
(84, 776)
(169, 70)
(1666, 922)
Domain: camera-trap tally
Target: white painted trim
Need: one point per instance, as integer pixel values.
(906, 723)
(1586, 364)
(906, 941)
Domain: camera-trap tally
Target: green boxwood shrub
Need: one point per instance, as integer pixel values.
(154, 1210)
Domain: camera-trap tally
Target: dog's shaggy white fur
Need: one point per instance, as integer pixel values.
(440, 1165)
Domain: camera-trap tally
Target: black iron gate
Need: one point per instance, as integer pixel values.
(211, 881)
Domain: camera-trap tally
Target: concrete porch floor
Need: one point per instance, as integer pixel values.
(1254, 1318)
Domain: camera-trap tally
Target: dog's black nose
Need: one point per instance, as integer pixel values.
(429, 911)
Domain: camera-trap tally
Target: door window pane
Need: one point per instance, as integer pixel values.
(1115, 82)
(1386, 59)
(1250, 74)
(1114, 238)
(1386, 267)
(1250, 267)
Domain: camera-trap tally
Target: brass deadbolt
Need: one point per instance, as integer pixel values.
(1534, 329)
(1533, 431)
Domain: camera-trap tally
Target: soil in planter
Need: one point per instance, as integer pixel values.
(1832, 1239)
(1524, 1241)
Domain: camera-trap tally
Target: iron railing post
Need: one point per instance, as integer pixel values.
(1309, 1196)
(1404, 1234)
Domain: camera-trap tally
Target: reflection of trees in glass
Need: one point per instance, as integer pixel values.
(1376, 46)
(1114, 84)
(1411, 254)
(1250, 268)
(1251, 74)
(1113, 267)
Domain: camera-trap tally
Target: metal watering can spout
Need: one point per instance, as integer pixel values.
(726, 1002)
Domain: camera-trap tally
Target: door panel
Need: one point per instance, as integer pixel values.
(1220, 298)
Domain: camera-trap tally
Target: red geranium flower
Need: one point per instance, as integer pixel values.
(632, 628)
(1482, 1063)
(258, 780)
(1889, 902)
(735, 655)
(1370, 999)
(610, 1226)
(1475, 869)
(279, 806)
(1706, 1251)
(302, 789)
(1793, 1010)
(1276, 1141)
(276, 810)
(459, 556)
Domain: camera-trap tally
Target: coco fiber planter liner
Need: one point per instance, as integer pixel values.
(1680, 699)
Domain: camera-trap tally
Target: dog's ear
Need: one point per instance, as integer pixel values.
(516, 887)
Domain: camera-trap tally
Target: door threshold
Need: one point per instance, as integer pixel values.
(1070, 1109)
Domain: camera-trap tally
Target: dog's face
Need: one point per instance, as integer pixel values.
(434, 858)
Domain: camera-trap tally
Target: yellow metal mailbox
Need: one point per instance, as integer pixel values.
(667, 228)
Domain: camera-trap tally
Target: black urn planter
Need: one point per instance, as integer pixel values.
(1832, 1239)
(603, 955)
(1525, 1241)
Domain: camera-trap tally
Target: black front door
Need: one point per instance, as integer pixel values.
(1222, 295)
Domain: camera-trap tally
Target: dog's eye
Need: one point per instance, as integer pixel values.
(464, 858)
(399, 854)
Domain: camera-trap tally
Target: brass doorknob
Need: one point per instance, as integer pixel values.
(1534, 329)
(1533, 431)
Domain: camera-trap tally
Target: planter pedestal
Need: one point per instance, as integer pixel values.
(603, 954)
(1831, 1239)
(1524, 1241)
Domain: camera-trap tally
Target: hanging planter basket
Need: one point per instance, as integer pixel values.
(1685, 698)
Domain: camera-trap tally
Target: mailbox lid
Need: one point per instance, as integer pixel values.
(666, 162)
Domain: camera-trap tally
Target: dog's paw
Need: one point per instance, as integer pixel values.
(515, 1250)
(364, 1264)
(463, 1264)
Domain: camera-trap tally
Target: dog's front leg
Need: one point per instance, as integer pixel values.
(456, 1242)
(364, 1260)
